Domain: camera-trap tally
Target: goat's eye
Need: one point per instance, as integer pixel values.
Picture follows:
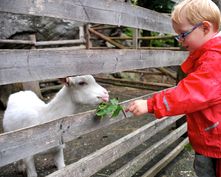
(82, 83)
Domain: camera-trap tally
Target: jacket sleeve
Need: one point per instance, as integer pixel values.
(199, 90)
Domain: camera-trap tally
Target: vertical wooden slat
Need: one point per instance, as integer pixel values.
(135, 37)
(87, 36)
(33, 85)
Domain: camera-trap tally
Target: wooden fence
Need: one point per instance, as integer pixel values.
(41, 64)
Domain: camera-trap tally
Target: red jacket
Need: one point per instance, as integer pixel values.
(199, 97)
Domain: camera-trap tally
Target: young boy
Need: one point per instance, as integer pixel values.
(198, 95)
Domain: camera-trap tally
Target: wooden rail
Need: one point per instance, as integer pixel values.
(22, 143)
(40, 64)
(134, 84)
(143, 38)
(166, 160)
(96, 11)
(42, 43)
(106, 38)
(108, 154)
(28, 141)
(137, 163)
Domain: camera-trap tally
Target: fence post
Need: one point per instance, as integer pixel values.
(87, 36)
(33, 85)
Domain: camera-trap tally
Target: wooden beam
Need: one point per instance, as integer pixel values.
(33, 85)
(106, 38)
(86, 167)
(167, 72)
(16, 41)
(143, 38)
(144, 72)
(42, 43)
(146, 156)
(143, 48)
(161, 48)
(87, 36)
(40, 64)
(134, 84)
(96, 11)
(50, 89)
(22, 143)
(135, 38)
(166, 160)
(102, 27)
(60, 42)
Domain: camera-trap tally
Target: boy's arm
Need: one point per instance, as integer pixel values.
(199, 90)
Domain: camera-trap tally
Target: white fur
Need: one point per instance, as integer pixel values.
(24, 109)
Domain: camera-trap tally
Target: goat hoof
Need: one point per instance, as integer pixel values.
(20, 167)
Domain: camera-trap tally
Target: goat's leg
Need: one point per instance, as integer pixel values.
(21, 168)
(59, 158)
(30, 166)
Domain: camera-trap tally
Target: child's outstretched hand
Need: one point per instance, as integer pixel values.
(138, 107)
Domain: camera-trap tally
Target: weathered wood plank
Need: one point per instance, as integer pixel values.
(42, 43)
(166, 160)
(137, 163)
(142, 37)
(86, 167)
(168, 72)
(22, 143)
(40, 64)
(96, 11)
(134, 84)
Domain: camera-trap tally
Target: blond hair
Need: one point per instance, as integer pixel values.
(196, 11)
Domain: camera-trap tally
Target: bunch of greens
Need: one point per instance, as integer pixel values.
(111, 108)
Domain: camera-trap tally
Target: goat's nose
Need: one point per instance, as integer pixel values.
(106, 96)
(105, 92)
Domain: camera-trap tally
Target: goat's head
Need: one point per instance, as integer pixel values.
(85, 90)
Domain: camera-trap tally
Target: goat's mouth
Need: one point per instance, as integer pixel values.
(104, 98)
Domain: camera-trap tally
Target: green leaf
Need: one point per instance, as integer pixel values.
(117, 111)
(114, 101)
(111, 108)
(102, 105)
(101, 113)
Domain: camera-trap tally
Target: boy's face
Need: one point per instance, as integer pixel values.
(190, 36)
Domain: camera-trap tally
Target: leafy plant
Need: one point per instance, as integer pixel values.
(111, 108)
(128, 31)
(188, 147)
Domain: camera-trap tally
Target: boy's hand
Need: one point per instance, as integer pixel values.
(138, 107)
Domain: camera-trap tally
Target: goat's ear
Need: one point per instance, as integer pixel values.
(64, 81)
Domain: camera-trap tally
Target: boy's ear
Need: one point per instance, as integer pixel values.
(207, 26)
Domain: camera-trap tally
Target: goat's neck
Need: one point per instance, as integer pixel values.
(61, 105)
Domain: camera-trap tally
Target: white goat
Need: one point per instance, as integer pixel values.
(24, 109)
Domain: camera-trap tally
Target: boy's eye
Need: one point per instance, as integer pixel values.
(183, 35)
